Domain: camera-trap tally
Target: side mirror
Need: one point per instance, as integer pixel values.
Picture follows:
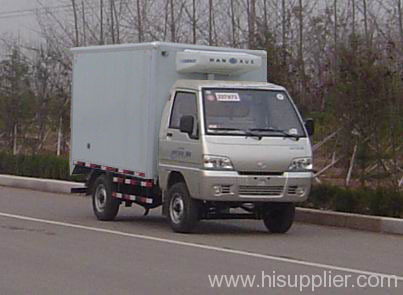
(186, 124)
(310, 126)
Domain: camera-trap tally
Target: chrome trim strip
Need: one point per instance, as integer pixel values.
(178, 167)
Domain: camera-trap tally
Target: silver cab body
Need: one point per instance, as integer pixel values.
(261, 166)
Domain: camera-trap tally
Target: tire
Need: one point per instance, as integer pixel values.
(279, 217)
(104, 205)
(183, 211)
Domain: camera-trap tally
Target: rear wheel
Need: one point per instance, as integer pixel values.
(104, 205)
(279, 217)
(183, 211)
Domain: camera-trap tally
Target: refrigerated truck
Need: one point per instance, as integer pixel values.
(196, 129)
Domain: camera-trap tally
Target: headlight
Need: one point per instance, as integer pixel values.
(301, 164)
(217, 163)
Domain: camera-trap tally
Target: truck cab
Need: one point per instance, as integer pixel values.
(234, 144)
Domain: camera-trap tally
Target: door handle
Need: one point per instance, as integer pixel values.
(169, 134)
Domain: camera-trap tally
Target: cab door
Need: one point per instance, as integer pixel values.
(180, 151)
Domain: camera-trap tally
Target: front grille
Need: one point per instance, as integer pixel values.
(292, 190)
(260, 190)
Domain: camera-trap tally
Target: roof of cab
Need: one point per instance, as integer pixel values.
(197, 84)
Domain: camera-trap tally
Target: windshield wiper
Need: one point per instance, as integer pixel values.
(229, 129)
(286, 134)
(225, 129)
(248, 133)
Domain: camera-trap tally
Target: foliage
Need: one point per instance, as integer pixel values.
(41, 166)
(16, 103)
(368, 100)
(34, 100)
(380, 202)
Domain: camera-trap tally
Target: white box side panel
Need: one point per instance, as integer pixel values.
(110, 109)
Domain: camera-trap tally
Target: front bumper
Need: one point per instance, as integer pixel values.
(231, 186)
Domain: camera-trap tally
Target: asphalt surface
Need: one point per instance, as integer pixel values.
(52, 244)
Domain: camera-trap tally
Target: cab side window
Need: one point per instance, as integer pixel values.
(184, 105)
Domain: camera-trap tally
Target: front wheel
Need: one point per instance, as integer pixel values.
(183, 211)
(279, 217)
(104, 205)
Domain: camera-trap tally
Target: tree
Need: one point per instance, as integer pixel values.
(233, 24)
(210, 22)
(353, 16)
(335, 25)
(84, 23)
(75, 22)
(101, 13)
(194, 21)
(400, 17)
(301, 60)
(15, 96)
(364, 4)
(139, 22)
(365, 85)
(173, 27)
(283, 30)
(252, 23)
(112, 20)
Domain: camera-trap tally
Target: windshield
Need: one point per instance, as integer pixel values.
(246, 111)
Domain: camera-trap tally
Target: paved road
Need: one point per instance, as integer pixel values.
(52, 244)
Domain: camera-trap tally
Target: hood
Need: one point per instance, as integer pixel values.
(270, 154)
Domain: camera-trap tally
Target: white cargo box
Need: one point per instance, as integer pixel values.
(119, 93)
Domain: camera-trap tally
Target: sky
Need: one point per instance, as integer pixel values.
(17, 17)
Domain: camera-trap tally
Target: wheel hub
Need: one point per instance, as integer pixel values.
(100, 198)
(177, 208)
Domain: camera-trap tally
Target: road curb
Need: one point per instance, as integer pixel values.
(39, 184)
(350, 220)
(313, 216)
